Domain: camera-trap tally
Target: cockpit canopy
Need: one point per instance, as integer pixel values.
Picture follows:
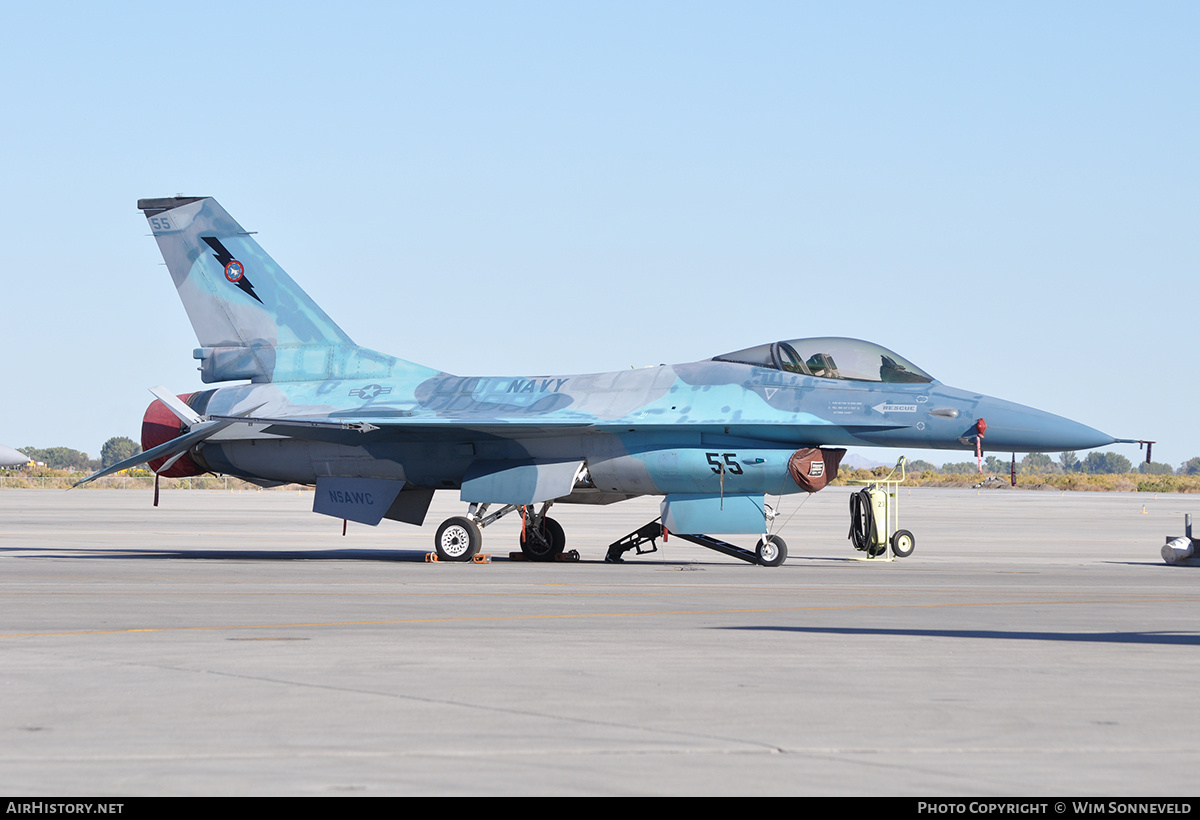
(831, 358)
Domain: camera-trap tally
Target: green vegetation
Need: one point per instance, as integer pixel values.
(44, 478)
(992, 464)
(1099, 472)
(118, 449)
(959, 467)
(1106, 463)
(1155, 468)
(64, 458)
(61, 458)
(1038, 464)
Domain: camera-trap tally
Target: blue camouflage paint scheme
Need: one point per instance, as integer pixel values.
(721, 427)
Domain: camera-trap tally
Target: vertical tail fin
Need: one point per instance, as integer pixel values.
(252, 320)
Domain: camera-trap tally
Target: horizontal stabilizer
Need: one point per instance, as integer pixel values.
(175, 446)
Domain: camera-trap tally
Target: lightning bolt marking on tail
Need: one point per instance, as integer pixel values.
(224, 257)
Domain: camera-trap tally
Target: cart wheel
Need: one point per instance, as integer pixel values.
(903, 544)
(772, 551)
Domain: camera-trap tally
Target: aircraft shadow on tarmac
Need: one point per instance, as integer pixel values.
(1159, 638)
(411, 556)
(414, 556)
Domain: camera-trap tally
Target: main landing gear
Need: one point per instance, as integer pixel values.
(459, 538)
(543, 540)
(771, 550)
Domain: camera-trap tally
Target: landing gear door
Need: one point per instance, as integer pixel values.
(519, 482)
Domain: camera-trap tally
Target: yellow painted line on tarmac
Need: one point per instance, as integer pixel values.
(548, 617)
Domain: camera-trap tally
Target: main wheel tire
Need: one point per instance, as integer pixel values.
(903, 543)
(772, 551)
(546, 544)
(458, 539)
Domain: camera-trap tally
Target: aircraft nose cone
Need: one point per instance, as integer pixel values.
(1012, 426)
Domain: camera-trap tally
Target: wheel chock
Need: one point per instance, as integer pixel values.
(566, 556)
(479, 558)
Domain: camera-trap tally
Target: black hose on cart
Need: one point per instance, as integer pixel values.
(862, 522)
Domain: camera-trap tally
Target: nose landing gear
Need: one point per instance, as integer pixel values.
(771, 551)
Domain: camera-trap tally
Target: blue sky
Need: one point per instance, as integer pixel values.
(1007, 194)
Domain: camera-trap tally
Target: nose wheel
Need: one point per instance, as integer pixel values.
(458, 539)
(771, 551)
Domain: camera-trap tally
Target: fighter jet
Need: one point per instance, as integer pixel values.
(12, 458)
(378, 435)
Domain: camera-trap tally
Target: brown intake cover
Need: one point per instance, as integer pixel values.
(813, 467)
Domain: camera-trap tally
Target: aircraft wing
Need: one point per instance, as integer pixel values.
(172, 449)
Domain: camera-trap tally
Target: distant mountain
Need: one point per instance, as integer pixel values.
(857, 462)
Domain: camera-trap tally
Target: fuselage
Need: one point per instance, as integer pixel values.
(691, 428)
